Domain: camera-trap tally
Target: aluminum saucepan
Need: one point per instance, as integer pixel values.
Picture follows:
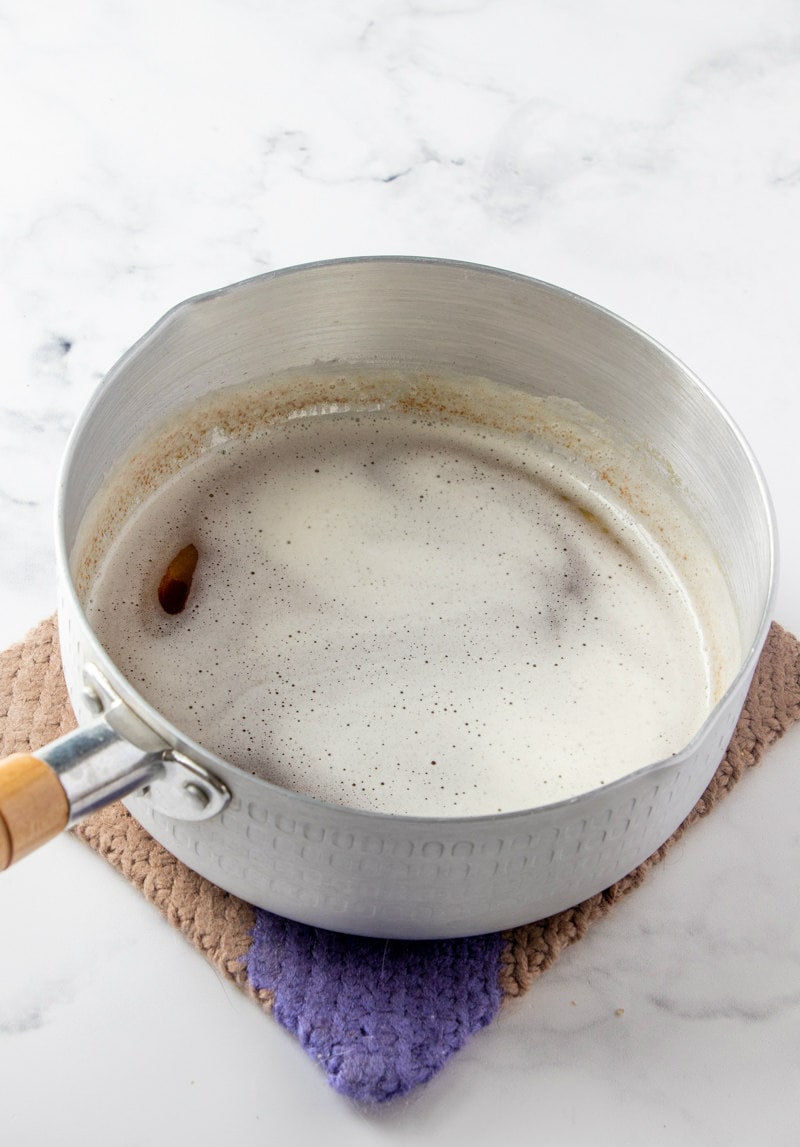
(336, 867)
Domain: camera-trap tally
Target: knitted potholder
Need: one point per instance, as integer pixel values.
(380, 1017)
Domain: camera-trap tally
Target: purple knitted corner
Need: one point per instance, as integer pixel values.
(380, 1016)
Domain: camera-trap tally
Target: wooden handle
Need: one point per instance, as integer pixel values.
(33, 806)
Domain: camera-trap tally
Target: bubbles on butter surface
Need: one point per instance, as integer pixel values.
(405, 614)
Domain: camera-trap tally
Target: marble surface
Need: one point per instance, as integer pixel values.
(647, 156)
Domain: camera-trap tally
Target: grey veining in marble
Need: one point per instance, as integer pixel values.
(645, 155)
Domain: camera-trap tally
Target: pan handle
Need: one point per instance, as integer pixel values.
(115, 755)
(44, 792)
(33, 806)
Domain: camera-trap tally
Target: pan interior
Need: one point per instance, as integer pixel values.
(417, 594)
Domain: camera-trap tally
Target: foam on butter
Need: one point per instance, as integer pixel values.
(403, 610)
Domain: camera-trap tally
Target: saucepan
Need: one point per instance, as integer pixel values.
(352, 869)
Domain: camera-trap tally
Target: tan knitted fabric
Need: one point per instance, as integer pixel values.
(772, 706)
(34, 709)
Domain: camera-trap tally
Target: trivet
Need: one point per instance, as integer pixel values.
(380, 1017)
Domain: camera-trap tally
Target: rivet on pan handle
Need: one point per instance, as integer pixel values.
(110, 758)
(52, 789)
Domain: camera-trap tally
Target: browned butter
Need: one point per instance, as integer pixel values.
(405, 609)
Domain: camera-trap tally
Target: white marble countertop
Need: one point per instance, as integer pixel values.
(644, 155)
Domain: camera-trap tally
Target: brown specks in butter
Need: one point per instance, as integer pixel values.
(409, 613)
